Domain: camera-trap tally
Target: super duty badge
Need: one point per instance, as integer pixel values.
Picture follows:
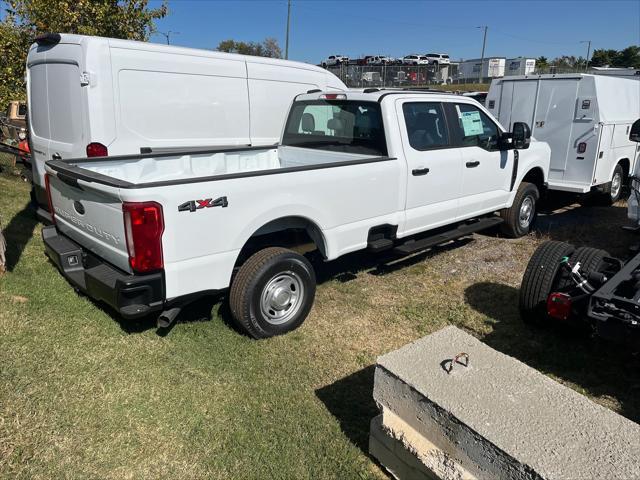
(193, 205)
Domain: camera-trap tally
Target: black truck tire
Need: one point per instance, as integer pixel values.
(540, 279)
(608, 198)
(617, 184)
(520, 217)
(272, 292)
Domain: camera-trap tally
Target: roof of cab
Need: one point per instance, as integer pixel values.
(376, 95)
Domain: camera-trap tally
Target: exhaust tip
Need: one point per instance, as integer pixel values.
(166, 318)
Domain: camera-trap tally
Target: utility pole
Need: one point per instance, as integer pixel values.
(286, 46)
(168, 34)
(588, 42)
(484, 44)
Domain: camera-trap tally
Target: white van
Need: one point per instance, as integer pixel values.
(585, 119)
(93, 96)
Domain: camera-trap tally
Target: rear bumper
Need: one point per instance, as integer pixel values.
(131, 296)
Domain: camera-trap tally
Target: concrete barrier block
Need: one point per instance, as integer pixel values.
(499, 418)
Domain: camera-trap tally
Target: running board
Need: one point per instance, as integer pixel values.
(412, 246)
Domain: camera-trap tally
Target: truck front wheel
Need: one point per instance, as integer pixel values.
(519, 218)
(272, 292)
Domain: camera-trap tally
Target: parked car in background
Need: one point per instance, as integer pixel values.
(438, 58)
(377, 170)
(584, 118)
(93, 96)
(378, 60)
(415, 60)
(334, 60)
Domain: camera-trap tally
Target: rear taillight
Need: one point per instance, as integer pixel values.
(48, 188)
(144, 225)
(559, 306)
(95, 149)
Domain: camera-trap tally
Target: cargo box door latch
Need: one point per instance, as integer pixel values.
(85, 79)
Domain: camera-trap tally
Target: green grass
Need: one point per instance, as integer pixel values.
(84, 395)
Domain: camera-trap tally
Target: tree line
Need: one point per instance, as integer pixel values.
(627, 57)
(26, 19)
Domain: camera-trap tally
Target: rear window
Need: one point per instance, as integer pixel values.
(342, 126)
(65, 102)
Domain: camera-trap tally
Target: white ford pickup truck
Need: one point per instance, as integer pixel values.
(375, 169)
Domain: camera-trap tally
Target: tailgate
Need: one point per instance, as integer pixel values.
(92, 218)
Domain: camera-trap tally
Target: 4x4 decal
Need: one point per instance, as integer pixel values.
(193, 205)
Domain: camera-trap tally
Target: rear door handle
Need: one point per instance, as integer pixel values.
(419, 171)
(473, 164)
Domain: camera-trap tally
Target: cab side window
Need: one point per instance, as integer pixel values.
(476, 128)
(426, 125)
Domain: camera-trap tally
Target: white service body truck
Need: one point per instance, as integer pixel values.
(375, 169)
(585, 119)
(93, 96)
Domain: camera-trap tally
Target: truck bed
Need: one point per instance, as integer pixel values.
(147, 170)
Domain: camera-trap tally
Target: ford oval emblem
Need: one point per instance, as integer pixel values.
(79, 207)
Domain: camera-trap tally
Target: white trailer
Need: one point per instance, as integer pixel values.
(585, 119)
(487, 68)
(520, 66)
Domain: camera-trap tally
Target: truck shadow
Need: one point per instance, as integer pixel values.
(584, 225)
(602, 369)
(200, 310)
(344, 269)
(17, 234)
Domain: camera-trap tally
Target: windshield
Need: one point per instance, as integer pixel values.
(341, 125)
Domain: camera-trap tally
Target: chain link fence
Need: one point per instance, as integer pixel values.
(417, 76)
(365, 76)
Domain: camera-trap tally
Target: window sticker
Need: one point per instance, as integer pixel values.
(471, 123)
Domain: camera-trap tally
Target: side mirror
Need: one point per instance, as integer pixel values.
(634, 134)
(521, 135)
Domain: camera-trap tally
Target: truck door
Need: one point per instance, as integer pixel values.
(434, 165)
(523, 103)
(56, 112)
(487, 171)
(605, 154)
(553, 120)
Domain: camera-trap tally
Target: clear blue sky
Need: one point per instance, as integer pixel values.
(351, 27)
